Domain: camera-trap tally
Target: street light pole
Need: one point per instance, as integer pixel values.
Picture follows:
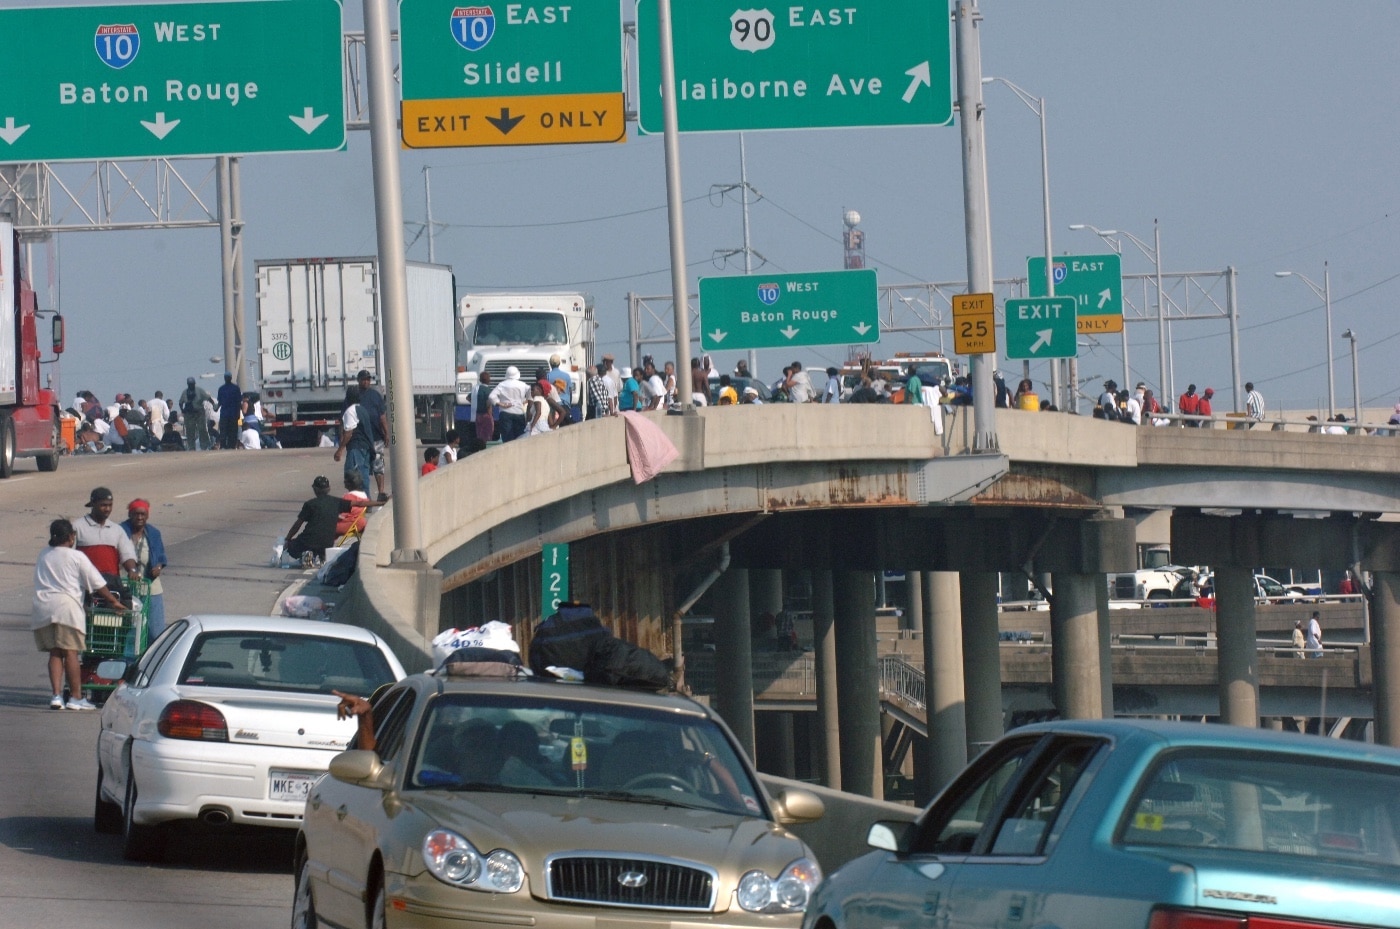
(1350, 335)
(1037, 106)
(1325, 294)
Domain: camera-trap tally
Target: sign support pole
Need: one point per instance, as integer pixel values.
(393, 285)
(674, 206)
(975, 209)
(225, 182)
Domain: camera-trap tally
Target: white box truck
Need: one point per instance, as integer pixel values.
(523, 330)
(319, 324)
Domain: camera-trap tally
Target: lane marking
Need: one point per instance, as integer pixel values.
(192, 493)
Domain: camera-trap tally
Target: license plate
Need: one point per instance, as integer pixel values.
(290, 785)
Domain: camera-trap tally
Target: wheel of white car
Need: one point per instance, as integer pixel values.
(143, 843)
(376, 915)
(106, 814)
(303, 906)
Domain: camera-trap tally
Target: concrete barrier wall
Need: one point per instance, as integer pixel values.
(839, 836)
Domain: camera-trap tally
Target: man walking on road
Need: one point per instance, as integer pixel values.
(373, 402)
(196, 419)
(230, 408)
(356, 442)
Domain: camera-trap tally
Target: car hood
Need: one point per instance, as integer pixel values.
(287, 720)
(535, 826)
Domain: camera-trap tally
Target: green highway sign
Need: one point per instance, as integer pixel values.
(511, 73)
(779, 310)
(554, 576)
(171, 80)
(1043, 327)
(1095, 281)
(799, 66)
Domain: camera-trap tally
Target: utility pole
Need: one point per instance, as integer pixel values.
(744, 188)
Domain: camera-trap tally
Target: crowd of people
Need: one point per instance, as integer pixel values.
(193, 420)
(93, 561)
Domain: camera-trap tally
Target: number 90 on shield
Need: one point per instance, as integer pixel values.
(751, 30)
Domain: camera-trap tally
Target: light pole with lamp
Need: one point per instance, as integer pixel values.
(1037, 106)
(1350, 336)
(1114, 238)
(1324, 293)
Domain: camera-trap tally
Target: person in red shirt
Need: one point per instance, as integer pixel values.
(430, 461)
(1203, 408)
(1188, 404)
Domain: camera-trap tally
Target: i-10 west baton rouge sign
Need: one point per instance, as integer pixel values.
(174, 79)
(778, 310)
(511, 73)
(798, 65)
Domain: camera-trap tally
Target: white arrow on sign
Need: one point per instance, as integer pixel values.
(160, 128)
(718, 335)
(789, 331)
(308, 121)
(921, 74)
(1044, 339)
(11, 133)
(862, 329)
(1104, 296)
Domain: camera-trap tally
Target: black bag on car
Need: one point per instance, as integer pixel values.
(566, 638)
(620, 663)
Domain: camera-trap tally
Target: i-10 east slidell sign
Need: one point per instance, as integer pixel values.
(780, 310)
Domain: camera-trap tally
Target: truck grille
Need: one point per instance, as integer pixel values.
(527, 366)
(631, 882)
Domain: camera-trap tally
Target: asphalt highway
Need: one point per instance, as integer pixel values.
(219, 514)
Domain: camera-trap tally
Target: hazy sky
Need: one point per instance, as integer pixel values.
(1262, 134)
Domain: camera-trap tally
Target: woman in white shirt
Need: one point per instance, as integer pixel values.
(62, 575)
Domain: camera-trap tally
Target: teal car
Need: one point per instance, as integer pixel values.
(1117, 824)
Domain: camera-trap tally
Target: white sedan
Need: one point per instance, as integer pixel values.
(228, 720)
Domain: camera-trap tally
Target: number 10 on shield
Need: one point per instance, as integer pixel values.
(554, 576)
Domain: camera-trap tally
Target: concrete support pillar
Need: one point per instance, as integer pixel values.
(765, 591)
(734, 655)
(824, 661)
(943, 681)
(913, 618)
(1385, 655)
(784, 745)
(1105, 644)
(1237, 648)
(1074, 630)
(981, 659)
(858, 678)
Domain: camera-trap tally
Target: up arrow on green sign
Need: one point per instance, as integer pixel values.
(799, 66)
(171, 79)
(779, 310)
(1043, 327)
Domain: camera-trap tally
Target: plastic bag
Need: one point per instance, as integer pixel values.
(277, 549)
(304, 606)
(494, 635)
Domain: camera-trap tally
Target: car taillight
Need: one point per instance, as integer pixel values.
(1194, 919)
(190, 719)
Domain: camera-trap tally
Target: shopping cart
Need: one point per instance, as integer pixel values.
(114, 634)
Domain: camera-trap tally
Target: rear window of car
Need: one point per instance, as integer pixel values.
(580, 748)
(1268, 802)
(279, 661)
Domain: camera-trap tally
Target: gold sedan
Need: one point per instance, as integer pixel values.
(566, 806)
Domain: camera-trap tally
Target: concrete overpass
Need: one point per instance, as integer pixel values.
(853, 489)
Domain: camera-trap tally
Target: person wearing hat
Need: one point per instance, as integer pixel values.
(750, 396)
(230, 399)
(511, 396)
(150, 559)
(376, 409)
(627, 396)
(103, 541)
(1203, 407)
(192, 401)
(1109, 397)
(62, 577)
(314, 529)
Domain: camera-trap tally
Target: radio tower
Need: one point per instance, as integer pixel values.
(853, 239)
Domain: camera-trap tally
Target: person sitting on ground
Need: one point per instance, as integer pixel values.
(356, 517)
(314, 529)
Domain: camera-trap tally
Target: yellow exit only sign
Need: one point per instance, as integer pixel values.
(974, 324)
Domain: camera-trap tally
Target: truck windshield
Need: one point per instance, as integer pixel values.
(520, 329)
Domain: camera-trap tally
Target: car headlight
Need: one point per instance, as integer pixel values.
(789, 893)
(453, 860)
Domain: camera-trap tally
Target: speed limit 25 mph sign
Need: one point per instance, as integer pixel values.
(974, 324)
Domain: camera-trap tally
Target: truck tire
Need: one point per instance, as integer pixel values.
(49, 462)
(7, 445)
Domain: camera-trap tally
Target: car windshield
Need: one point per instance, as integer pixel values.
(522, 744)
(282, 661)
(520, 329)
(1269, 803)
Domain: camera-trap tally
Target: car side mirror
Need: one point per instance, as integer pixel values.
(57, 334)
(795, 805)
(890, 836)
(113, 669)
(362, 768)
